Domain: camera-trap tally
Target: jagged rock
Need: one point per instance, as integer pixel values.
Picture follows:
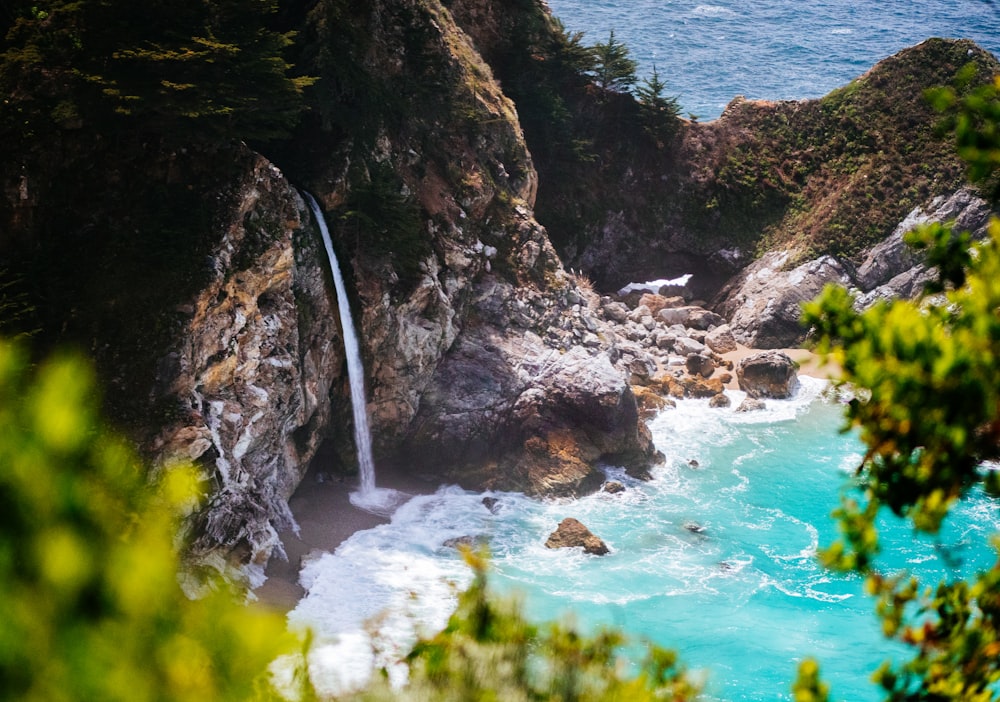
(571, 534)
(764, 302)
(699, 364)
(893, 257)
(690, 316)
(615, 311)
(665, 340)
(698, 388)
(492, 504)
(768, 374)
(637, 314)
(721, 339)
(613, 487)
(654, 303)
(649, 401)
(703, 319)
(685, 346)
(720, 400)
(751, 404)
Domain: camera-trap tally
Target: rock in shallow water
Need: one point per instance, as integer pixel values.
(768, 374)
(571, 533)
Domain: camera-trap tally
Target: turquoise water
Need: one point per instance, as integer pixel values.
(743, 600)
(709, 52)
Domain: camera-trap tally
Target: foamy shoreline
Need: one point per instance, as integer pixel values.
(326, 517)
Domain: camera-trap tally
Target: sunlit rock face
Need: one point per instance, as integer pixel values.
(252, 371)
(764, 302)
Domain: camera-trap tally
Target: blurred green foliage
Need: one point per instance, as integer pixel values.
(90, 605)
(926, 379)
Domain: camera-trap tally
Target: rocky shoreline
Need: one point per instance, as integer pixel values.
(325, 517)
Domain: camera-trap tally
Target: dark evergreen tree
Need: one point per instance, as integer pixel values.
(658, 111)
(613, 70)
(185, 70)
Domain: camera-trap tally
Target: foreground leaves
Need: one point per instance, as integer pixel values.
(90, 606)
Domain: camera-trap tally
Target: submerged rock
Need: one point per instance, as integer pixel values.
(613, 487)
(571, 533)
(751, 404)
(466, 542)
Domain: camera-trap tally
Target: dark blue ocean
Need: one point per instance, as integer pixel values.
(709, 53)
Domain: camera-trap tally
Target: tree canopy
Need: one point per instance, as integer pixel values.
(198, 70)
(613, 70)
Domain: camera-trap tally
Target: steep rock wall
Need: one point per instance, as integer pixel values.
(253, 368)
(430, 209)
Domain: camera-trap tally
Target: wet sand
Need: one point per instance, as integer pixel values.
(326, 518)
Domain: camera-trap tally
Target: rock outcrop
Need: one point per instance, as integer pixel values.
(572, 534)
(892, 269)
(252, 371)
(764, 302)
(769, 374)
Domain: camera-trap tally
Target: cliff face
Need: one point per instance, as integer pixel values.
(196, 276)
(468, 323)
(251, 372)
(818, 177)
(451, 333)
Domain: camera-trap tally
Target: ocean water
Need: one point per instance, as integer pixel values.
(709, 52)
(713, 557)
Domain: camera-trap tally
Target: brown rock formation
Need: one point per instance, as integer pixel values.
(571, 534)
(767, 374)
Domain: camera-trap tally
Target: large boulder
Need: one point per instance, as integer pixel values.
(506, 412)
(572, 534)
(764, 302)
(768, 374)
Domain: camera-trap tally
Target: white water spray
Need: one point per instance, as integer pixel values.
(368, 497)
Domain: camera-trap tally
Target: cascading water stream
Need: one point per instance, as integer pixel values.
(367, 497)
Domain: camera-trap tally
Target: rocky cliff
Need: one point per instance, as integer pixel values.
(195, 275)
(472, 332)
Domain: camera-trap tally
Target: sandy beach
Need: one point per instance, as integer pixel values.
(326, 517)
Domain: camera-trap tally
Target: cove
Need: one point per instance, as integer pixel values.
(741, 597)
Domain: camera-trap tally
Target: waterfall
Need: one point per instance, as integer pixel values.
(367, 497)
